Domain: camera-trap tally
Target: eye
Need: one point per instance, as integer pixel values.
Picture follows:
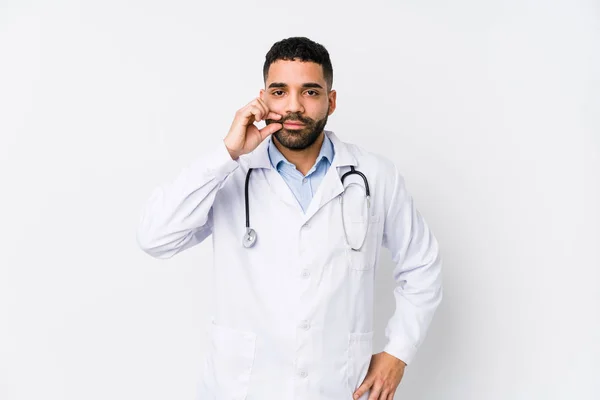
(313, 91)
(277, 91)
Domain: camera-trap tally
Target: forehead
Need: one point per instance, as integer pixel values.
(295, 73)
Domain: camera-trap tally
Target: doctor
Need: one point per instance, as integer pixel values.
(296, 249)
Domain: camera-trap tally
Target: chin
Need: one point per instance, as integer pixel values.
(294, 131)
(290, 143)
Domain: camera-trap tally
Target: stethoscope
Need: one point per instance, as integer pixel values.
(250, 236)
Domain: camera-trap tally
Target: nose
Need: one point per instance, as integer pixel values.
(294, 105)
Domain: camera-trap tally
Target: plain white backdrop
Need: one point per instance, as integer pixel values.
(490, 109)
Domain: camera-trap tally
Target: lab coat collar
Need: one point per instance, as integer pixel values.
(330, 187)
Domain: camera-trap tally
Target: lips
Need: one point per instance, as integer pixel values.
(293, 124)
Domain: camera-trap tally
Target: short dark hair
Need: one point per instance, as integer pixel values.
(303, 49)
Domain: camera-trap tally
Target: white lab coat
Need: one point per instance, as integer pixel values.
(293, 315)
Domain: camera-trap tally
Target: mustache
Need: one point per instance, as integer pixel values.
(292, 117)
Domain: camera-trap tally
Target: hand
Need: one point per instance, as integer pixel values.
(244, 136)
(383, 377)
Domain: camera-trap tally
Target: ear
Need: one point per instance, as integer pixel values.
(332, 97)
(261, 94)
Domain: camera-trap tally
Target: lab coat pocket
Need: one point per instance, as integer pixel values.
(364, 258)
(360, 350)
(229, 362)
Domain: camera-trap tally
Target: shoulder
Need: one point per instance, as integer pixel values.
(376, 164)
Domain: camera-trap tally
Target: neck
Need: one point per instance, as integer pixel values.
(303, 159)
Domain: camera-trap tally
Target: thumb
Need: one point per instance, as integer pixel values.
(270, 129)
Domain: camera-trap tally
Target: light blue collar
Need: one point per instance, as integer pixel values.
(277, 158)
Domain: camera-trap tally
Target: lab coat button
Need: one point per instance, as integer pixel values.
(302, 373)
(305, 273)
(305, 325)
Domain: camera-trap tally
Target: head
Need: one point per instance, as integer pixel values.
(298, 78)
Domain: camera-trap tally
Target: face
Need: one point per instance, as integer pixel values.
(298, 92)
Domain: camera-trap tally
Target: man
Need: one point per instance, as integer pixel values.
(294, 289)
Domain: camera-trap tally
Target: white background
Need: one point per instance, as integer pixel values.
(490, 108)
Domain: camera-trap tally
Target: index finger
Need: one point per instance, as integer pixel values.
(270, 114)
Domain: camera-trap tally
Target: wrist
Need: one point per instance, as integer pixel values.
(234, 155)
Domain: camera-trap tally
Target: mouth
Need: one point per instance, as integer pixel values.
(293, 125)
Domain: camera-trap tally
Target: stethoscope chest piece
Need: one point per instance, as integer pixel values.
(249, 238)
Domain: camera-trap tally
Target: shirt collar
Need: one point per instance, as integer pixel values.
(277, 158)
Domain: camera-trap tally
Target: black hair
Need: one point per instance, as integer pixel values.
(303, 49)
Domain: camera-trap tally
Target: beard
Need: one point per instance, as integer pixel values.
(299, 139)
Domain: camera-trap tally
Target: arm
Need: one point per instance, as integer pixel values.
(178, 215)
(417, 273)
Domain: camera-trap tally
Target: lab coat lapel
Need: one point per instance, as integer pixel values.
(331, 185)
(260, 162)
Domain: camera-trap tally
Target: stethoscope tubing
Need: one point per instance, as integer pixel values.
(250, 235)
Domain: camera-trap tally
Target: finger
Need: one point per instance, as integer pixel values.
(384, 394)
(375, 392)
(270, 114)
(362, 388)
(273, 115)
(264, 105)
(256, 112)
(270, 129)
(391, 396)
(261, 101)
(244, 116)
(261, 106)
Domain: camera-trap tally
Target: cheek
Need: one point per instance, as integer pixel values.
(274, 105)
(277, 109)
(319, 113)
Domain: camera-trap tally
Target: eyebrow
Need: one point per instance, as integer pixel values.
(304, 85)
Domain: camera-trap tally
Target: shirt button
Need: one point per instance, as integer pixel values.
(305, 273)
(304, 180)
(305, 325)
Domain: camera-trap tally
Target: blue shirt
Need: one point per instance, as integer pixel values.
(303, 187)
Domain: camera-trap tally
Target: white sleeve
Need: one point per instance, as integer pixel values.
(178, 215)
(417, 273)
